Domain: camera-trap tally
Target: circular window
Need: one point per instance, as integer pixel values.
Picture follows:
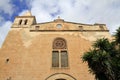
(59, 44)
(59, 25)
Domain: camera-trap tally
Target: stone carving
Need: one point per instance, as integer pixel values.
(59, 43)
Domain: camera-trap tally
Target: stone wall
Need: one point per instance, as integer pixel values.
(26, 53)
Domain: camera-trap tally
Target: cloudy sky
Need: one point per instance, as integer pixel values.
(80, 11)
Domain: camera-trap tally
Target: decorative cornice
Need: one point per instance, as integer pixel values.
(25, 16)
(69, 30)
(71, 23)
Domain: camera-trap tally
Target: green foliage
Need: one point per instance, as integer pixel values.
(104, 59)
(117, 36)
(99, 59)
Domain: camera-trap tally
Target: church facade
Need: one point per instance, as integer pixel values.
(48, 51)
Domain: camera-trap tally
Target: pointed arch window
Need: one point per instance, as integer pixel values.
(59, 53)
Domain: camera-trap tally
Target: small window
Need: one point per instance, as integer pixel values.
(20, 22)
(59, 26)
(37, 27)
(7, 60)
(25, 22)
(101, 27)
(81, 28)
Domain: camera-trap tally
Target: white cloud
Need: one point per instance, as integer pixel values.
(42, 10)
(6, 6)
(4, 30)
(22, 13)
(82, 11)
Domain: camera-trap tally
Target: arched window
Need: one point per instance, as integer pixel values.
(59, 53)
(20, 22)
(25, 22)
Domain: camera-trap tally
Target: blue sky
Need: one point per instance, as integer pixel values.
(80, 11)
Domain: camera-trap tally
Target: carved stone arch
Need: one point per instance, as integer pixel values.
(62, 76)
(59, 43)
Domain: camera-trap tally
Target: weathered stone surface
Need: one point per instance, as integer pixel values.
(29, 49)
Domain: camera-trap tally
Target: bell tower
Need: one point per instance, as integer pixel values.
(24, 21)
